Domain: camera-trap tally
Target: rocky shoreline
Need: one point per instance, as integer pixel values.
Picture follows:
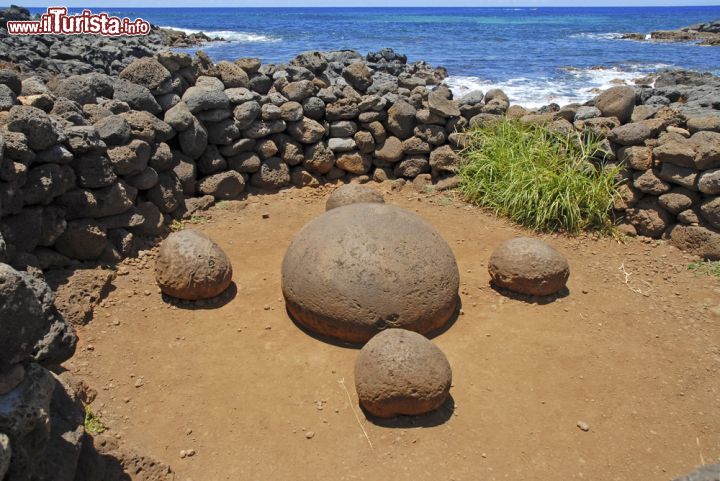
(104, 143)
(703, 33)
(48, 56)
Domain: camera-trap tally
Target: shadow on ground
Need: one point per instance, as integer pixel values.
(358, 345)
(539, 300)
(218, 301)
(440, 416)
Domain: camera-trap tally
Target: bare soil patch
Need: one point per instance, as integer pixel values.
(631, 351)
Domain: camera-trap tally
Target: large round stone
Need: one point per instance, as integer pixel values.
(401, 372)
(528, 266)
(362, 268)
(353, 194)
(191, 266)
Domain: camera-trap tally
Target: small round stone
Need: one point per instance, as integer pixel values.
(355, 271)
(528, 266)
(191, 266)
(353, 194)
(401, 372)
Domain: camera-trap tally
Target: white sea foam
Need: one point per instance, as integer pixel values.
(231, 35)
(598, 36)
(577, 85)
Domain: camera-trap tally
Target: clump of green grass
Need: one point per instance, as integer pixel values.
(710, 268)
(93, 423)
(544, 180)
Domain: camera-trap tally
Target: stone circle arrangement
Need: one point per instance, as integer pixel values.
(362, 268)
(359, 273)
(192, 267)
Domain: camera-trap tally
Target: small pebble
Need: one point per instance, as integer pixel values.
(583, 426)
(310, 434)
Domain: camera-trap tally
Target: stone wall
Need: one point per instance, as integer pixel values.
(95, 163)
(92, 166)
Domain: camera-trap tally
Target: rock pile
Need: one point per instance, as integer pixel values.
(190, 266)
(401, 372)
(362, 268)
(48, 55)
(92, 166)
(41, 420)
(96, 164)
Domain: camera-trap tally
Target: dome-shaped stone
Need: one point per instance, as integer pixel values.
(401, 372)
(191, 266)
(528, 266)
(357, 270)
(353, 194)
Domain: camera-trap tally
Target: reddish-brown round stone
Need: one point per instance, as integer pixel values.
(191, 266)
(357, 270)
(401, 372)
(353, 194)
(528, 266)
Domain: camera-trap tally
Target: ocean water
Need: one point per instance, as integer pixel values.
(537, 55)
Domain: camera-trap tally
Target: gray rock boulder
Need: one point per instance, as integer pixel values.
(401, 119)
(83, 239)
(149, 73)
(21, 318)
(136, 96)
(225, 185)
(199, 99)
(191, 266)
(617, 102)
(401, 372)
(528, 266)
(35, 124)
(273, 174)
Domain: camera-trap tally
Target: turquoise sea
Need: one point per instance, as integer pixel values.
(538, 55)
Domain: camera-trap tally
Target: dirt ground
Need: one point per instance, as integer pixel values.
(632, 350)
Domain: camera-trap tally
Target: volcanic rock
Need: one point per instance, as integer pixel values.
(528, 266)
(191, 266)
(401, 372)
(362, 268)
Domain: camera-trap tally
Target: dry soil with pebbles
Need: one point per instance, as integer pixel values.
(630, 354)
